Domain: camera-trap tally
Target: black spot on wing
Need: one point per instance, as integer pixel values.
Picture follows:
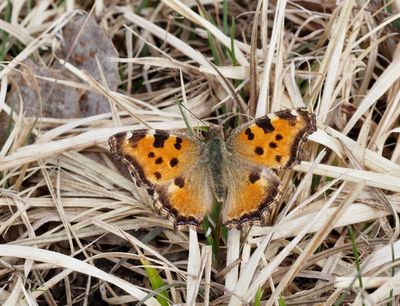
(117, 141)
(151, 155)
(173, 162)
(259, 151)
(265, 124)
(136, 136)
(177, 143)
(287, 115)
(159, 160)
(180, 182)
(254, 177)
(278, 158)
(272, 145)
(250, 135)
(278, 137)
(157, 175)
(159, 139)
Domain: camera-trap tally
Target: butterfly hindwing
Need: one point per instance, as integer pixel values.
(252, 192)
(167, 165)
(185, 199)
(275, 140)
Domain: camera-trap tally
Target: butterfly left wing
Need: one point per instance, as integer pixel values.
(253, 191)
(153, 157)
(168, 166)
(186, 199)
(275, 140)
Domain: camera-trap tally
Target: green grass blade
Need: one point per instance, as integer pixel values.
(257, 298)
(225, 16)
(281, 301)
(4, 36)
(232, 51)
(156, 282)
(356, 254)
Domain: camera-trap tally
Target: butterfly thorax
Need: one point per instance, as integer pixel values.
(216, 155)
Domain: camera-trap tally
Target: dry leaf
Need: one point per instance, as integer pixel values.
(82, 42)
(44, 97)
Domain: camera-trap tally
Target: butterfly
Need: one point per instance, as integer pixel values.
(186, 174)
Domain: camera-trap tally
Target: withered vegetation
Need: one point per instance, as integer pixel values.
(76, 230)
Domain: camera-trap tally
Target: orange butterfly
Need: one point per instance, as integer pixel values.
(185, 174)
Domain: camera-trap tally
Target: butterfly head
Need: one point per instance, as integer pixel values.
(214, 132)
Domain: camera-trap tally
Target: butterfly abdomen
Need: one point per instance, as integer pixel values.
(215, 152)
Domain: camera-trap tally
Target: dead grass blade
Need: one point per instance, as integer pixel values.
(76, 229)
(73, 264)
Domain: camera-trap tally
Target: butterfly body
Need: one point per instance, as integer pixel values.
(215, 157)
(186, 174)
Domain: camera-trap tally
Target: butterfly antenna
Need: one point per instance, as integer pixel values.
(180, 105)
(234, 115)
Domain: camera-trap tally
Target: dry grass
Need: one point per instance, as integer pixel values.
(76, 230)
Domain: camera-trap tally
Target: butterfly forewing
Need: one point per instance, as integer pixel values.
(274, 140)
(153, 157)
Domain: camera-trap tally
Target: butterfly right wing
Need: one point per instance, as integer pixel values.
(168, 166)
(270, 142)
(275, 140)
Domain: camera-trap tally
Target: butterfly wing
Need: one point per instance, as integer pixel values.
(186, 199)
(270, 142)
(167, 165)
(252, 192)
(275, 140)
